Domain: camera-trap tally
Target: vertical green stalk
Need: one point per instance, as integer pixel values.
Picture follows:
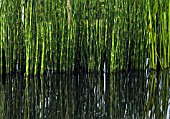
(1, 36)
(50, 43)
(165, 42)
(169, 36)
(63, 53)
(152, 38)
(43, 47)
(37, 48)
(28, 35)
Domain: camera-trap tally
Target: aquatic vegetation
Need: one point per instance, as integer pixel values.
(74, 36)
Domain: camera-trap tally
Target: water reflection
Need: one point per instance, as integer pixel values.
(118, 96)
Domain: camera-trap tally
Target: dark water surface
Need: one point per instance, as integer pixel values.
(134, 95)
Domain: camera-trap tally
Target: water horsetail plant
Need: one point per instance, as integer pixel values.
(83, 35)
(169, 36)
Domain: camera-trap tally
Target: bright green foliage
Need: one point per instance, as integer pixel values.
(76, 35)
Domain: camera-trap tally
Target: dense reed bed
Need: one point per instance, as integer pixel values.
(84, 35)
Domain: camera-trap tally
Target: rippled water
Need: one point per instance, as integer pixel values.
(117, 96)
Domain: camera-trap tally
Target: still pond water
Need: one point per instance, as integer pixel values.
(137, 95)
